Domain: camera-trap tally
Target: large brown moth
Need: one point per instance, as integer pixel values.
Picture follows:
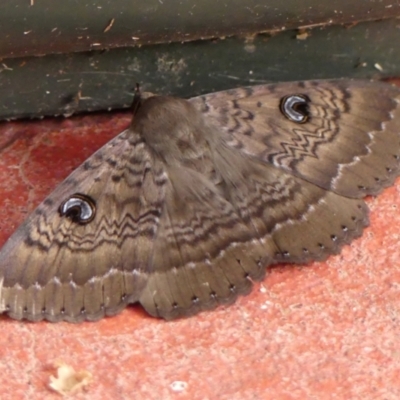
(189, 205)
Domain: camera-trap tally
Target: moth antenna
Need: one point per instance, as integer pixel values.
(137, 99)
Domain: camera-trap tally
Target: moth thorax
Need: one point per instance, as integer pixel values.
(172, 127)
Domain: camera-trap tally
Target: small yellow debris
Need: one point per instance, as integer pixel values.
(302, 34)
(68, 380)
(109, 26)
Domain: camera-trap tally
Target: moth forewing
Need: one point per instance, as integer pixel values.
(197, 198)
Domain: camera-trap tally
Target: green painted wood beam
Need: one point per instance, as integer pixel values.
(37, 27)
(62, 84)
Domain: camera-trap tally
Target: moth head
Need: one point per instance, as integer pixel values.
(79, 208)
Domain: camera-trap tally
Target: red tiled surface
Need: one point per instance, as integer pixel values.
(325, 331)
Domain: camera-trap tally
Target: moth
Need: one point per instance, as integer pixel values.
(183, 210)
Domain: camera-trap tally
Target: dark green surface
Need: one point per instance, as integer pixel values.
(49, 85)
(32, 27)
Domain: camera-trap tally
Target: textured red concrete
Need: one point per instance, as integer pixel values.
(324, 331)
